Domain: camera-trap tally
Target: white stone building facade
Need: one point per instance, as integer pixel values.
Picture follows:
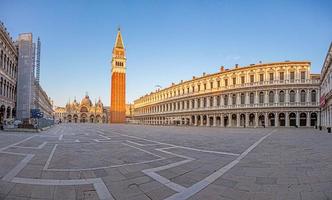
(8, 75)
(326, 91)
(273, 94)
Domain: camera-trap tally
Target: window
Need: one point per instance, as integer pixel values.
(226, 100)
(187, 89)
(204, 86)
(198, 103)
(218, 100)
(303, 95)
(281, 76)
(292, 96)
(271, 77)
(281, 96)
(252, 96)
(199, 88)
(271, 97)
(261, 77)
(233, 99)
(218, 84)
(211, 85)
(193, 88)
(313, 96)
(252, 78)
(302, 76)
(226, 82)
(292, 76)
(261, 97)
(211, 102)
(234, 81)
(242, 98)
(204, 102)
(242, 79)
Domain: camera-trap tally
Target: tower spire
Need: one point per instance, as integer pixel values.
(118, 41)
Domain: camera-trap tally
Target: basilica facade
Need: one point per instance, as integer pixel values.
(259, 95)
(82, 112)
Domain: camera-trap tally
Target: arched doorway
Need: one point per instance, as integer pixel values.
(271, 119)
(198, 120)
(104, 119)
(8, 112)
(69, 118)
(242, 120)
(211, 121)
(292, 119)
(313, 119)
(251, 119)
(234, 119)
(83, 118)
(204, 120)
(14, 113)
(2, 113)
(98, 119)
(303, 119)
(218, 121)
(261, 120)
(92, 119)
(282, 119)
(192, 120)
(226, 121)
(75, 118)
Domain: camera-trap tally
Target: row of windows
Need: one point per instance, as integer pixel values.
(117, 63)
(8, 65)
(7, 89)
(226, 82)
(231, 99)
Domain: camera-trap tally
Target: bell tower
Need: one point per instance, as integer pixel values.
(118, 82)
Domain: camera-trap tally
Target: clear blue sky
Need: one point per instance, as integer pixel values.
(166, 41)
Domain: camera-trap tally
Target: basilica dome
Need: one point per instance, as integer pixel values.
(86, 101)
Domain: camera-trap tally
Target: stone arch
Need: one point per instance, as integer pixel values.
(8, 112)
(303, 119)
(313, 119)
(251, 119)
(242, 120)
(292, 119)
(233, 120)
(261, 120)
(282, 119)
(272, 119)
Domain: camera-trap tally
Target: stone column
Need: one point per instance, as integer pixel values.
(202, 120)
(214, 120)
(286, 119)
(229, 120)
(195, 116)
(308, 119)
(238, 120)
(208, 120)
(214, 101)
(266, 119)
(196, 103)
(256, 119)
(207, 102)
(297, 119)
(276, 119)
(190, 120)
(247, 119)
(318, 119)
(222, 120)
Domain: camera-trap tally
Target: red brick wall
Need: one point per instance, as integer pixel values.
(118, 98)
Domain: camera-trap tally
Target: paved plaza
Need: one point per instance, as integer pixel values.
(88, 161)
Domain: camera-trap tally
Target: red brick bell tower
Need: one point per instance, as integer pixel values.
(118, 82)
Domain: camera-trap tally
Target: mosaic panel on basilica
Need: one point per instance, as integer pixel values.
(258, 95)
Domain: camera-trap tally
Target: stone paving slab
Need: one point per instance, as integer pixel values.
(72, 161)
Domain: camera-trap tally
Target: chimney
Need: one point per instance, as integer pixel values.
(204, 73)
(260, 62)
(236, 66)
(194, 77)
(222, 68)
